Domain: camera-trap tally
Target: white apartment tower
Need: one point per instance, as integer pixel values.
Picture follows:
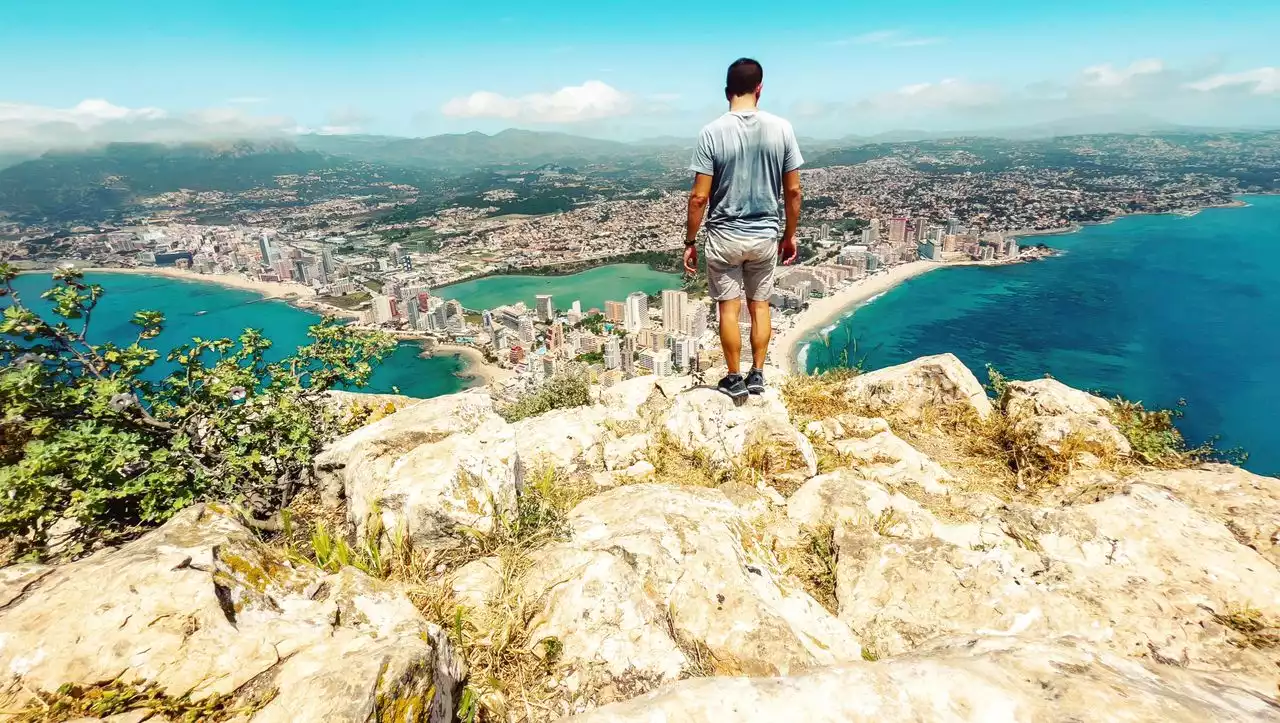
(545, 309)
(674, 302)
(637, 311)
(612, 353)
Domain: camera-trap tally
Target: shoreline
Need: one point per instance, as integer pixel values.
(283, 290)
(826, 311)
(476, 367)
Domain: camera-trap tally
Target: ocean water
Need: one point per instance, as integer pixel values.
(228, 312)
(592, 287)
(1155, 308)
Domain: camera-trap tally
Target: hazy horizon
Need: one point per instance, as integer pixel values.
(85, 73)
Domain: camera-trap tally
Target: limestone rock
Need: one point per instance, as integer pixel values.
(199, 605)
(1140, 573)
(696, 557)
(1048, 411)
(886, 457)
(608, 630)
(706, 421)
(475, 584)
(563, 438)
(912, 388)
(429, 469)
(622, 452)
(978, 681)
(1248, 504)
(630, 399)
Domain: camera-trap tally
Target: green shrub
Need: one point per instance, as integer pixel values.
(1155, 439)
(562, 392)
(88, 434)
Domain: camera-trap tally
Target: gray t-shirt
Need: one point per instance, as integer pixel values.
(746, 153)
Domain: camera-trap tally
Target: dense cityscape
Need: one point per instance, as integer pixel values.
(382, 258)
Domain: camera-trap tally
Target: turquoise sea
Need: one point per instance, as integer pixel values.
(227, 313)
(1155, 308)
(592, 287)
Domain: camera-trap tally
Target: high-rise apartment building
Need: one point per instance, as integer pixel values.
(384, 309)
(629, 356)
(897, 230)
(637, 311)
(695, 321)
(267, 251)
(398, 258)
(545, 309)
(612, 353)
(615, 312)
(683, 349)
(674, 302)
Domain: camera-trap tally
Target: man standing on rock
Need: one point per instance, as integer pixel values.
(745, 161)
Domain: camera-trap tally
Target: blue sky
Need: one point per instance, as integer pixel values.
(170, 70)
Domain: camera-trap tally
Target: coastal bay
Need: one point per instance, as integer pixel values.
(199, 306)
(1157, 308)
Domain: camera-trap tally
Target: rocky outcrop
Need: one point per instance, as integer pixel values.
(1248, 504)
(909, 390)
(979, 681)
(426, 471)
(201, 606)
(695, 538)
(1048, 413)
(699, 560)
(1141, 574)
(706, 421)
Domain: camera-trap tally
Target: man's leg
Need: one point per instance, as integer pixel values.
(730, 337)
(761, 330)
(757, 278)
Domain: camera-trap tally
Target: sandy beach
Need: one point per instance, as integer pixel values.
(477, 367)
(267, 289)
(823, 312)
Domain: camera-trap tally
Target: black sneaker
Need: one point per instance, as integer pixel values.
(755, 381)
(733, 386)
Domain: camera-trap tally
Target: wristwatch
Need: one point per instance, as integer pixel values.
(690, 242)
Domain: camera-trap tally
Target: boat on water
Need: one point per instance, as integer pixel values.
(201, 313)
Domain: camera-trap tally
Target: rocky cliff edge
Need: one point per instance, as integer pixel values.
(890, 546)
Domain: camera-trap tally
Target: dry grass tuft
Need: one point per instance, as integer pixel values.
(506, 674)
(818, 396)
(674, 465)
(1254, 629)
(813, 564)
(117, 697)
(992, 455)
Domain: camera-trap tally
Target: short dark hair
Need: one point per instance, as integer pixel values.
(743, 77)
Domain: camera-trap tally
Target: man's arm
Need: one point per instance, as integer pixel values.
(699, 197)
(792, 198)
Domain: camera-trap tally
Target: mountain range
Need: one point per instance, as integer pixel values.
(93, 184)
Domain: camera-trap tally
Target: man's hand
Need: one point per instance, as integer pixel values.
(691, 260)
(787, 250)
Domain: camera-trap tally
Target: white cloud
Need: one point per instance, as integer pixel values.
(86, 114)
(592, 100)
(888, 39)
(949, 93)
(37, 128)
(1264, 81)
(1108, 76)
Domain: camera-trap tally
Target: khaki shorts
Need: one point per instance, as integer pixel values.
(735, 265)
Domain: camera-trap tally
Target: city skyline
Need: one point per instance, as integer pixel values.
(95, 72)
